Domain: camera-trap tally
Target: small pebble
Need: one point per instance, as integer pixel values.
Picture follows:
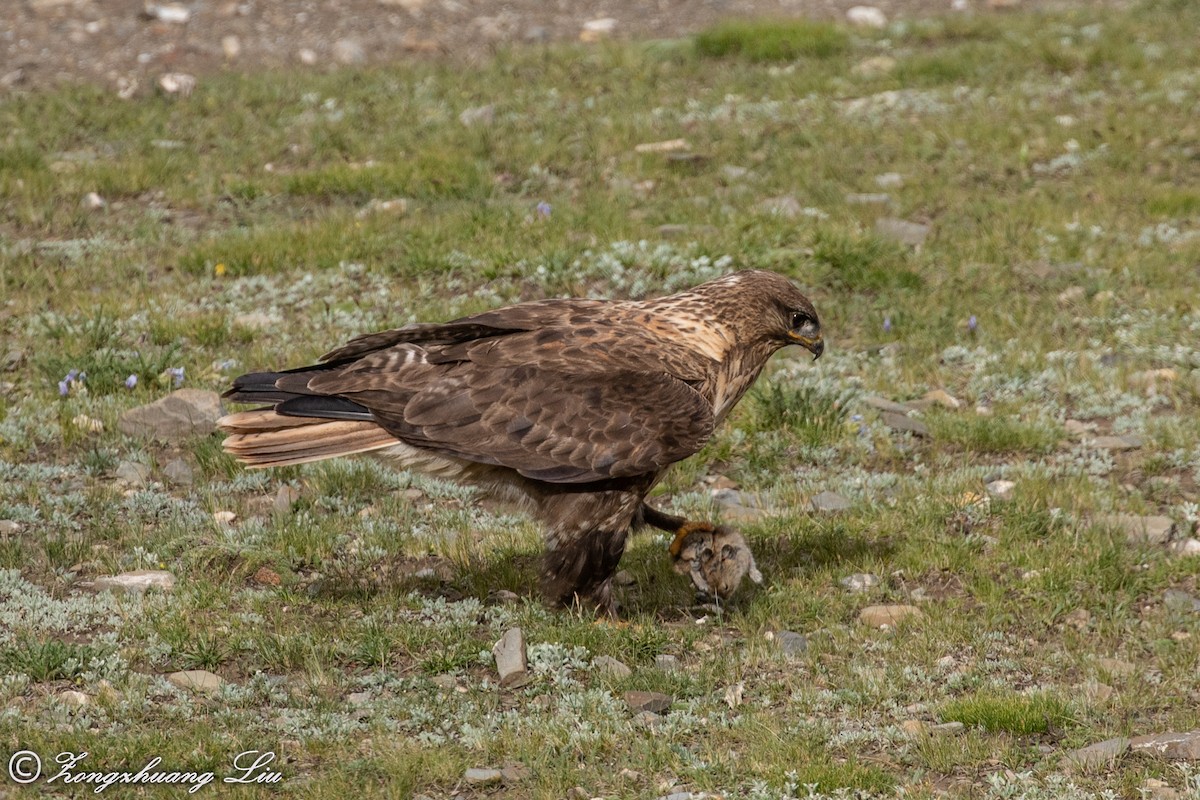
(866, 16)
(482, 777)
(666, 663)
(654, 702)
(231, 46)
(859, 582)
(611, 667)
(1001, 490)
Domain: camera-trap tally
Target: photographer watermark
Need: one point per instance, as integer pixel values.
(248, 766)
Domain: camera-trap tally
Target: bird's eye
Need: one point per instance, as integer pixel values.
(797, 319)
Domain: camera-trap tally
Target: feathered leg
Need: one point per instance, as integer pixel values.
(585, 539)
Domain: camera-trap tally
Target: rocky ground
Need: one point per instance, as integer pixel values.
(119, 42)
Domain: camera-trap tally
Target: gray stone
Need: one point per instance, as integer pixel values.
(1001, 490)
(1147, 530)
(504, 597)
(791, 643)
(666, 663)
(285, 498)
(1118, 443)
(478, 115)
(859, 582)
(177, 83)
(9, 527)
(1188, 547)
(830, 502)
(624, 578)
(1099, 755)
(349, 51)
(182, 413)
(231, 46)
(1171, 746)
(200, 680)
(482, 777)
(785, 206)
(12, 360)
(905, 424)
(890, 615)
(889, 180)
(136, 582)
(75, 699)
(883, 404)
(174, 13)
(868, 198)
(912, 234)
(611, 667)
(947, 729)
(358, 698)
(511, 661)
(1181, 601)
(654, 702)
(866, 17)
(179, 472)
(131, 473)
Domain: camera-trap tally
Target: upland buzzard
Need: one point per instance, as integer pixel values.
(574, 408)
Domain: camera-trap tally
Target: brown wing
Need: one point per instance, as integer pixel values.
(546, 425)
(560, 391)
(500, 321)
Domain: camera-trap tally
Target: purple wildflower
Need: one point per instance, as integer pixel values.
(64, 388)
(131, 382)
(543, 209)
(972, 324)
(71, 375)
(176, 374)
(887, 324)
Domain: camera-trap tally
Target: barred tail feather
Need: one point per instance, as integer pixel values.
(262, 438)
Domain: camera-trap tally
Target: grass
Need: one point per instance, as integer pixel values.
(773, 40)
(353, 615)
(1021, 715)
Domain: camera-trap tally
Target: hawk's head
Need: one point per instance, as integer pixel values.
(776, 310)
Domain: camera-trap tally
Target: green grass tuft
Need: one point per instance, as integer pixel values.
(1020, 714)
(814, 415)
(994, 434)
(46, 660)
(862, 263)
(772, 40)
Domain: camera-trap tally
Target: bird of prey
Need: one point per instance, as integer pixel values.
(573, 408)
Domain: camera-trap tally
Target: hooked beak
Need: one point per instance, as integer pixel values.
(809, 337)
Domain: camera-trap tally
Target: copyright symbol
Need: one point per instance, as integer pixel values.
(24, 766)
